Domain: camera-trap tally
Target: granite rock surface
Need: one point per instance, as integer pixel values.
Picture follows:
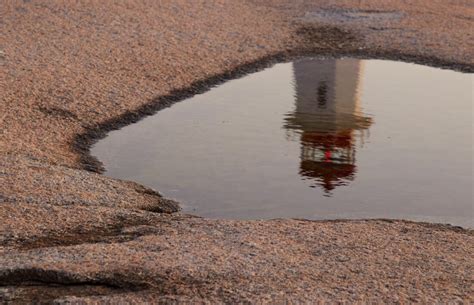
(72, 70)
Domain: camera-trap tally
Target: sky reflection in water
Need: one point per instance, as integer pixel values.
(316, 139)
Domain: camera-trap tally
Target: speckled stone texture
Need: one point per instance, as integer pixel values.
(72, 70)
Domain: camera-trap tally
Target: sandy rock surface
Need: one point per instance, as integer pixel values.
(72, 70)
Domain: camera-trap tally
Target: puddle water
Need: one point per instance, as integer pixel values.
(315, 139)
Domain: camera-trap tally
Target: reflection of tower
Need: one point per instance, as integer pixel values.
(326, 117)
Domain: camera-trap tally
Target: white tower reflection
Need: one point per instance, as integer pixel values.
(327, 120)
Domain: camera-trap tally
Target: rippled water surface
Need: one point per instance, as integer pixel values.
(316, 139)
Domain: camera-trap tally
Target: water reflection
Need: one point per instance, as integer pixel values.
(226, 153)
(327, 120)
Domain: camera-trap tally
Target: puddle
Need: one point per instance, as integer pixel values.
(315, 139)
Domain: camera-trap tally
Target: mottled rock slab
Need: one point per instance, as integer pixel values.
(72, 70)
